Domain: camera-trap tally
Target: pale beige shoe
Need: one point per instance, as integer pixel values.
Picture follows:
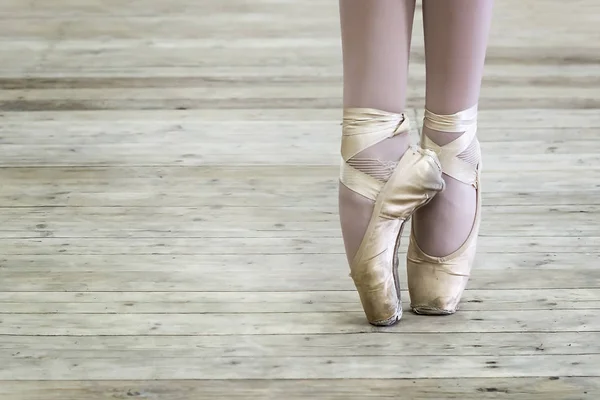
(415, 179)
(436, 284)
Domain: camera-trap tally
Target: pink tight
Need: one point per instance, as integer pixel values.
(376, 38)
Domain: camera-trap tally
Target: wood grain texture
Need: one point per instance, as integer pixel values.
(272, 302)
(540, 388)
(319, 367)
(289, 323)
(168, 209)
(398, 342)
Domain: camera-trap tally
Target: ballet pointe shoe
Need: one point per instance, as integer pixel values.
(416, 178)
(436, 284)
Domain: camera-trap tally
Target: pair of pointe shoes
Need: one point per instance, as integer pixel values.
(435, 284)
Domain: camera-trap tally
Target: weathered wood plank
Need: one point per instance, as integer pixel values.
(123, 192)
(277, 367)
(303, 96)
(288, 135)
(289, 277)
(291, 323)
(243, 243)
(538, 388)
(285, 279)
(266, 186)
(396, 342)
(269, 302)
(526, 119)
(311, 263)
(298, 149)
(575, 76)
(303, 223)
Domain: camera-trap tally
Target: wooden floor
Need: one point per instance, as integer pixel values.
(168, 220)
